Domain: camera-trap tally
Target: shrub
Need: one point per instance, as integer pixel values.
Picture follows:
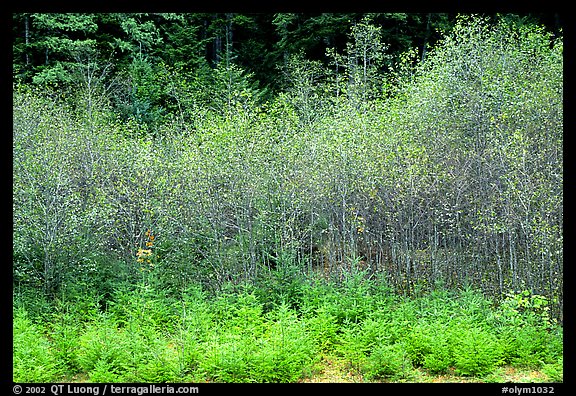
(429, 345)
(530, 346)
(322, 328)
(524, 308)
(352, 346)
(159, 364)
(286, 346)
(555, 345)
(441, 357)
(554, 371)
(103, 351)
(251, 347)
(476, 351)
(36, 306)
(388, 361)
(354, 300)
(419, 343)
(319, 294)
(134, 353)
(64, 334)
(33, 356)
(473, 306)
(226, 361)
(104, 371)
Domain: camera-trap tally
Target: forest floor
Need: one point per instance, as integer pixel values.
(334, 370)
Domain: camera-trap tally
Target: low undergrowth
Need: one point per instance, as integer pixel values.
(243, 335)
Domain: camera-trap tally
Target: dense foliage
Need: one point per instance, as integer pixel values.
(146, 336)
(145, 187)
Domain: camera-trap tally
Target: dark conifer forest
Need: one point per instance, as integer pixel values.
(287, 197)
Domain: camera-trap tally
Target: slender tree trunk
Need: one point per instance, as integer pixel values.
(513, 269)
(229, 38)
(27, 38)
(426, 37)
(499, 264)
